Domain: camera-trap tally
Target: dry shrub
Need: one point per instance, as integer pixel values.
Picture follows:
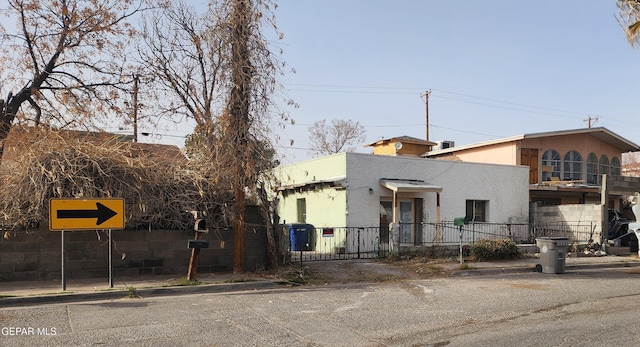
(486, 249)
(156, 183)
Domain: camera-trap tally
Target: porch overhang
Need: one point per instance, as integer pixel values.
(409, 186)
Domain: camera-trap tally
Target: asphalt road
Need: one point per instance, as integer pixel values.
(593, 307)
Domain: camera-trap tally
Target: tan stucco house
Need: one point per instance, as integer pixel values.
(565, 167)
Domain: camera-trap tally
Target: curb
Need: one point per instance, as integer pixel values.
(143, 293)
(532, 268)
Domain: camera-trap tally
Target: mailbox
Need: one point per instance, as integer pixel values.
(459, 221)
(197, 244)
(200, 226)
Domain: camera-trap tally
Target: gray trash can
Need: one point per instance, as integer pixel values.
(553, 252)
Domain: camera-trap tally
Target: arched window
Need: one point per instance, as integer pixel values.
(603, 167)
(592, 169)
(551, 158)
(615, 166)
(572, 166)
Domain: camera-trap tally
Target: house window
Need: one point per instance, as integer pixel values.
(592, 169)
(551, 159)
(615, 166)
(572, 166)
(603, 167)
(476, 210)
(301, 205)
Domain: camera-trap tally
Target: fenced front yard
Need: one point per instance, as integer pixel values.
(372, 242)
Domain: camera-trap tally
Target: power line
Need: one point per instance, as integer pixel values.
(383, 90)
(511, 103)
(508, 108)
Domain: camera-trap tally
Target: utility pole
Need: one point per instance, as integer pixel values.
(135, 108)
(426, 102)
(588, 120)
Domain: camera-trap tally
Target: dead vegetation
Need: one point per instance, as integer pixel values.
(157, 184)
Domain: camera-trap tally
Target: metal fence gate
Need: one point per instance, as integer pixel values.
(337, 243)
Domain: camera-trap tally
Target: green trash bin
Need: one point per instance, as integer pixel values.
(553, 253)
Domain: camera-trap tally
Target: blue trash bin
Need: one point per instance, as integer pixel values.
(300, 236)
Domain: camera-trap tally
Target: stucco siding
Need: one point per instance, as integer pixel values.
(312, 170)
(505, 187)
(325, 206)
(356, 201)
(502, 153)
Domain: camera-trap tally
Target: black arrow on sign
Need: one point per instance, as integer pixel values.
(103, 213)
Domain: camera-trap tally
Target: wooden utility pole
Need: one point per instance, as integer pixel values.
(135, 108)
(588, 120)
(426, 102)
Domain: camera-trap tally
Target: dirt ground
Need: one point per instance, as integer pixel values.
(368, 270)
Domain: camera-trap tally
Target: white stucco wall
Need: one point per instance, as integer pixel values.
(504, 186)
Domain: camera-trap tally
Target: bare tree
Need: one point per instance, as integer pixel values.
(217, 69)
(629, 18)
(64, 59)
(338, 137)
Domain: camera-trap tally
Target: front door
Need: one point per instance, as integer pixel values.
(529, 157)
(406, 221)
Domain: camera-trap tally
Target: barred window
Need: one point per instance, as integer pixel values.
(615, 166)
(572, 166)
(592, 169)
(551, 158)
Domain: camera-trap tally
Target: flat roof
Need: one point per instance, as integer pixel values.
(406, 185)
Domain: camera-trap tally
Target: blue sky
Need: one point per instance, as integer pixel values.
(495, 68)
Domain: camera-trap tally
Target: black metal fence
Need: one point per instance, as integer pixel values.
(447, 233)
(372, 242)
(338, 243)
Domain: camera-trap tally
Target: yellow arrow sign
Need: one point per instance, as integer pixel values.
(86, 214)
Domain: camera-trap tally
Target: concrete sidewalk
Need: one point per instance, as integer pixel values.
(40, 292)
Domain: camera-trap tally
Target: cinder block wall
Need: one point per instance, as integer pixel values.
(570, 214)
(37, 255)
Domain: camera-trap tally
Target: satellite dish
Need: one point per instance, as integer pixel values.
(397, 145)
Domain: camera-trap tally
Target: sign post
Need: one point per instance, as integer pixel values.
(63, 280)
(86, 214)
(110, 261)
(460, 221)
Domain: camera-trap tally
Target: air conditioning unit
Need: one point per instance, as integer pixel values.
(445, 144)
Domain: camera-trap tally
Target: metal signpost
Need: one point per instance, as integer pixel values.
(459, 221)
(86, 214)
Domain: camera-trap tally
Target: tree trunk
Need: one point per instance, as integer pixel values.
(241, 74)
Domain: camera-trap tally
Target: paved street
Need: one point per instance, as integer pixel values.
(591, 307)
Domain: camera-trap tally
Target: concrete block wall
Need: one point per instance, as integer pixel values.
(582, 214)
(37, 255)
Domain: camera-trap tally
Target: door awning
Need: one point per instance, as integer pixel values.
(409, 186)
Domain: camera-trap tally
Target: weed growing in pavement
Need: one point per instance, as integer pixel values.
(131, 293)
(299, 274)
(186, 282)
(239, 280)
(465, 266)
